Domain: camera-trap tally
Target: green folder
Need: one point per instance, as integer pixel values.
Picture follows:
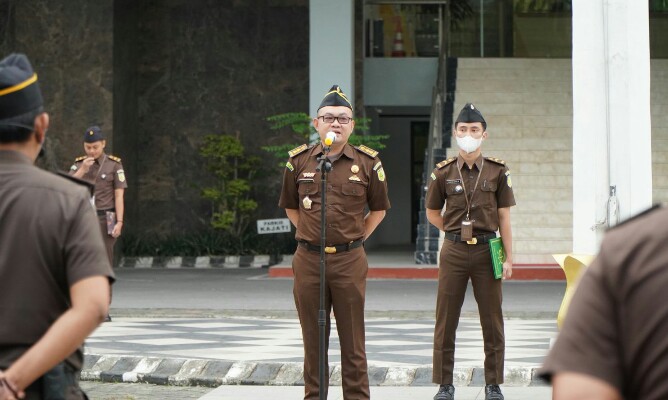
(498, 256)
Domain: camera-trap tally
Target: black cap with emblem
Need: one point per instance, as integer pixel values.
(470, 113)
(335, 97)
(93, 134)
(19, 91)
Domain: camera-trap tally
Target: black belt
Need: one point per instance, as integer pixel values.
(104, 212)
(332, 249)
(477, 239)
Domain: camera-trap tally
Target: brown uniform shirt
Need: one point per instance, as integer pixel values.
(107, 175)
(49, 240)
(616, 328)
(357, 180)
(494, 191)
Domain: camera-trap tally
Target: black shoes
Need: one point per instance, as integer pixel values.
(107, 318)
(445, 392)
(492, 392)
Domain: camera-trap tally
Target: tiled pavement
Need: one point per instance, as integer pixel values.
(134, 349)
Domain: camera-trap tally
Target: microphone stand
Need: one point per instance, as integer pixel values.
(324, 166)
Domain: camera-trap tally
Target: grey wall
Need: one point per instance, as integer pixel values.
(186, 69)
(70, 46)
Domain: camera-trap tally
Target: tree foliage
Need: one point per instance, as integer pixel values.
(232, 205)
(302, 130)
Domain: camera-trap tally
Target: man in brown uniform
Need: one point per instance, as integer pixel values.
(614, 342)
(356, 181)
(479, 194)
(106, 173)
(54, 273)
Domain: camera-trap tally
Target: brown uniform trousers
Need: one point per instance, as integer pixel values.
(345, 288)
(109, 240)
(460, 262)
(61, 383)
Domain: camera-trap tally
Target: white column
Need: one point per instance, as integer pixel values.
(331, 49)
(611, 114)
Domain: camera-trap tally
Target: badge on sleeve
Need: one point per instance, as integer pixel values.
(73, 167)
(289, 166)
(381, 174)
(433, 176)
(121, 175)
(510, 183)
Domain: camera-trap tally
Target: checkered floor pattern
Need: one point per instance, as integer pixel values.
(388, 342)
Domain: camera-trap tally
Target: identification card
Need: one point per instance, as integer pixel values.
(467, 230)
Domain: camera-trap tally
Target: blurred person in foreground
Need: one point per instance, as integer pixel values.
(54, 273)
(614, 342)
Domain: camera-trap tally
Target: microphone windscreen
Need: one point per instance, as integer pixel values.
(330, 138)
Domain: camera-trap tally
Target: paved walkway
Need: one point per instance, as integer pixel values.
(265, 351)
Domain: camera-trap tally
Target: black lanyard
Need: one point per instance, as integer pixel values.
(466, 195)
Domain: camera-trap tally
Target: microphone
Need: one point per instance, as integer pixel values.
(330, 138)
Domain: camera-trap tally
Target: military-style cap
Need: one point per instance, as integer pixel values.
(335, 97)
(471, 114)
(19, 91)
(93, 134)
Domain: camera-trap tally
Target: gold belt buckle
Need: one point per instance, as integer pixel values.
(472, 241)
(330, 250)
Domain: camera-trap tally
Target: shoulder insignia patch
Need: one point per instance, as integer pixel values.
(367, 150)
(297, 150)
(80, 158)
(289, 166)
(496, 160)
(445, 162)
(114, 158)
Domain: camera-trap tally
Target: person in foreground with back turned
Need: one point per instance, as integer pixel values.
(54, 271)
(614, 342)
(357, 180)
(479, 194)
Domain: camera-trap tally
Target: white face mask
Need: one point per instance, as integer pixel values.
(468, 144)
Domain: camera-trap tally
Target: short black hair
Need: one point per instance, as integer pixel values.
(18, 129)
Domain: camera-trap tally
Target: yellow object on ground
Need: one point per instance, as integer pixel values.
(573, 265)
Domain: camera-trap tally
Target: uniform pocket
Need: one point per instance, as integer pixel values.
(455, 193)
(488, 194)
(308, 196)
(354, 196)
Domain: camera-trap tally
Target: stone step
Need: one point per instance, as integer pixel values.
(539, 87)
(529, 193)
(516, 74)
(506, 63)
(658, 181)
(462, 97)
(564, 182)
(543, 233)
(514, 110)
(660, 195)
(512, 157)
(542, 246)
(546, 206)
(529, 143)
(551, 220)
(533, 259)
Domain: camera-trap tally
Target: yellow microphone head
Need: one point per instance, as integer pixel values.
(330, 138)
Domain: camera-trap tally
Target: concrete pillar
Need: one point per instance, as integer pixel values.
(331, 49)
(611, 115)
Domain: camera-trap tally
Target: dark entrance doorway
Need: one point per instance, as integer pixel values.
(403, 161)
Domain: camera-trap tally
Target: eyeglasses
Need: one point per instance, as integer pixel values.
(328, 119)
